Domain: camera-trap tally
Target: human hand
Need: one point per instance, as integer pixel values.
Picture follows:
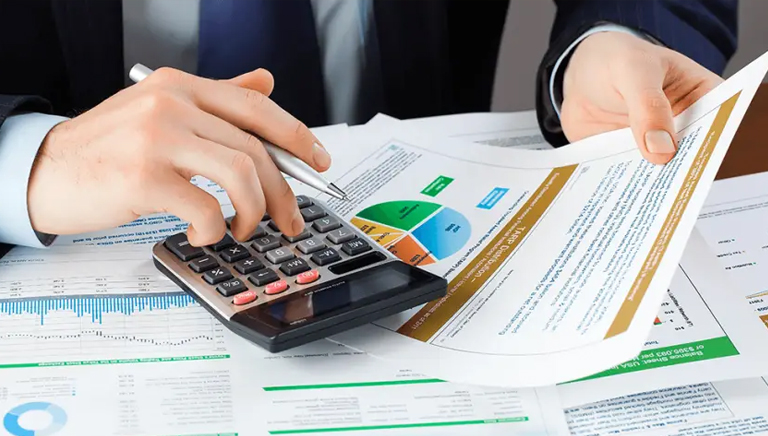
(135, 153)
(616, 80)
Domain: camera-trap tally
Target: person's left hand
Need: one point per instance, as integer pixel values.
(616, 80)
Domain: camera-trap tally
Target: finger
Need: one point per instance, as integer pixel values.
(280, 200)
(255, 112)
(259, 80)
(234, 171)
(650, 113)
(201, 210)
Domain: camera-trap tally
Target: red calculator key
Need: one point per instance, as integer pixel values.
(244, 298)
(307, 277)
(276, 287)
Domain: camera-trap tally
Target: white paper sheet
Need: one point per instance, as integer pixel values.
(518, 130)
(327, 388)
(704, 331)
(727, 408)
(734, 221)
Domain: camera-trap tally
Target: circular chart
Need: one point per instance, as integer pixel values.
(56, 414)
(417, 232)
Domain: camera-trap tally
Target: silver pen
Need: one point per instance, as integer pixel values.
(285, 161)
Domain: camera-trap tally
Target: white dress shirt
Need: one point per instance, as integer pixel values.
(161, 33)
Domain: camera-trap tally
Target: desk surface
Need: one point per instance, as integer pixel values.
(748, 153)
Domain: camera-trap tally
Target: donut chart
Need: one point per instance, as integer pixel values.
(417, 232)
(57, 419)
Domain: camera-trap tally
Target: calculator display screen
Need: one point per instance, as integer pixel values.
(346, 293)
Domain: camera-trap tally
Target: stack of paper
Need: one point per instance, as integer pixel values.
(581, 299)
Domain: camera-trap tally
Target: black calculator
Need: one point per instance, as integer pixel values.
(282, 291)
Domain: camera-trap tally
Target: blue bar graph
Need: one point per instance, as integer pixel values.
(94, 306)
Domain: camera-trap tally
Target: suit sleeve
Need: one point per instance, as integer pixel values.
(703, 30)
(24, 122)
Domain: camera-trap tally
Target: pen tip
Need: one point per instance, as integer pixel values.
(338, 193)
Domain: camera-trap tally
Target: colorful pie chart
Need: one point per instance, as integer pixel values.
(417, 232)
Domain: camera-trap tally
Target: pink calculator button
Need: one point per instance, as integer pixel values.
(276, 287)
(244, 298)
(307, 277)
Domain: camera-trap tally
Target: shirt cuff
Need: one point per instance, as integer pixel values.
(21, 136)
(566, 54)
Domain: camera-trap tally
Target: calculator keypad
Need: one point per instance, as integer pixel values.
(271, 265)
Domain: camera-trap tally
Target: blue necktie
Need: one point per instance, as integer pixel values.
(237, 36)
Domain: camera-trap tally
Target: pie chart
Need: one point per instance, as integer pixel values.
(417, 232)
(57, 419)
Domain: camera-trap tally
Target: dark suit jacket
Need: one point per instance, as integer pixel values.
(437, 57)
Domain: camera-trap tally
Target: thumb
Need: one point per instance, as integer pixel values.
(650, 113)
(259, 80)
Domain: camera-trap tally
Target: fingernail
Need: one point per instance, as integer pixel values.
(298, 223)
(321, 157)
(659, 142)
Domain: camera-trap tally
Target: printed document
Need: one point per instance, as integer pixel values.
(734, 221)
(508, 130)
(84, 330)
(327, 388)
(704, 331)
(724, 408)
(99, 343)
(557, 260)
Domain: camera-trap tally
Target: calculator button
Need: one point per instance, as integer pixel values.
(312, 213)
(265, 243)
(310, 245)
(300, 237)
(203, 264)
(340, 236)
(179, 245)
(303, 201)
(225, 242)
(326, 224)
(244, 298)
(355, 247)
(231, 287)
(280, 255)
(233, 254)
(247, 266)
(276, 287)
(263, 277)
(217, 275)
(329, 255)
(295, 266)
(307, 277)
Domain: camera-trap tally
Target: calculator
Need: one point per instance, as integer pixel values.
(281, 291)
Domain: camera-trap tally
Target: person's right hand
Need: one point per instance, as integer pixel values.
(135, 153)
